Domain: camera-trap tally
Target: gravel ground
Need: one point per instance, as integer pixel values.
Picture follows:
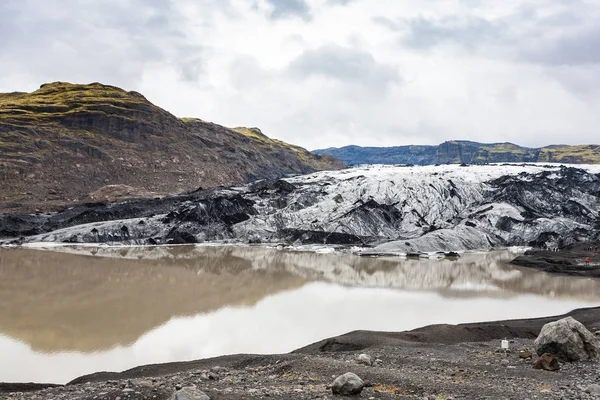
(471, 370)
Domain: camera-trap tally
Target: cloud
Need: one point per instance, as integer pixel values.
(580, 48)
(289, 8)
(323, 73)
(110, 41)
(351, 66)
(468, 32)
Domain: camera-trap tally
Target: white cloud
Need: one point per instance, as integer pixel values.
(323, 73)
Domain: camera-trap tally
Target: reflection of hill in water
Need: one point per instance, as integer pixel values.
(57, 301)
(93, 298)
(473, 274)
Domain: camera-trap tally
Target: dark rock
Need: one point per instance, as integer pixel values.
(177, 236)
(278, 186)
(307, 237)
(547, 362)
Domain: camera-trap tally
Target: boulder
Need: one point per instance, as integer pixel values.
(347, 384)
(189, 393)
(568, 340)
(548, 362)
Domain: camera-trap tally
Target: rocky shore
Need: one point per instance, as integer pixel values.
(434, 362)
(578, 259)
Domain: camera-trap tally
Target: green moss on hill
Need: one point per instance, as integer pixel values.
(72, 139)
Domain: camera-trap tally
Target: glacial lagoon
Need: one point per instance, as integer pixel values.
(66, 311)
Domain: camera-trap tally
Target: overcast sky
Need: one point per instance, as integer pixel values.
(323, 73)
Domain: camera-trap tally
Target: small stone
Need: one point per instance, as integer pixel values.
(365, 359)
(525, 354)
(505, 362)
(547, 362)
(347, 384)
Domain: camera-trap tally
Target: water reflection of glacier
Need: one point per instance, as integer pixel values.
(473, 274)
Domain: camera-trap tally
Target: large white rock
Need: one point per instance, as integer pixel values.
(568, 340)
(189, 393)
(364, 359)
(347, 384)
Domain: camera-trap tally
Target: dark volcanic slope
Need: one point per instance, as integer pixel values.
(459, 152)
(578, 259)
(67, 142)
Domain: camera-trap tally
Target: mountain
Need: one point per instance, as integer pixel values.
(391, 208)
(69, 143)
(464, 152)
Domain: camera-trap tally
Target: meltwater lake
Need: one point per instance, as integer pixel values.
(66, 311)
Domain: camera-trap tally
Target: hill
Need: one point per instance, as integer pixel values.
(459, 152)
(68, 143)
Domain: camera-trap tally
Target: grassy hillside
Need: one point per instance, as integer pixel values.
(68, 142)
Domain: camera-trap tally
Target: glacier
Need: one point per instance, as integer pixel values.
(391, 210)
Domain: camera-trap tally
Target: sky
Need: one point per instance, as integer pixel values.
(329, 73)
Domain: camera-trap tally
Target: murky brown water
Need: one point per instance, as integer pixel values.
(77, 310)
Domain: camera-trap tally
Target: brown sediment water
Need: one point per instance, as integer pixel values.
(67, 311)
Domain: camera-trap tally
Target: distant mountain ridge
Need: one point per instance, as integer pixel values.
(464, 152)
(68, 143)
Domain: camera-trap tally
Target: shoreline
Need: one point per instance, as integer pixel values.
(444, 344)
(571, 260)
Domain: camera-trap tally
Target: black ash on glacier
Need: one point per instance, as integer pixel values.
(387, 209)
